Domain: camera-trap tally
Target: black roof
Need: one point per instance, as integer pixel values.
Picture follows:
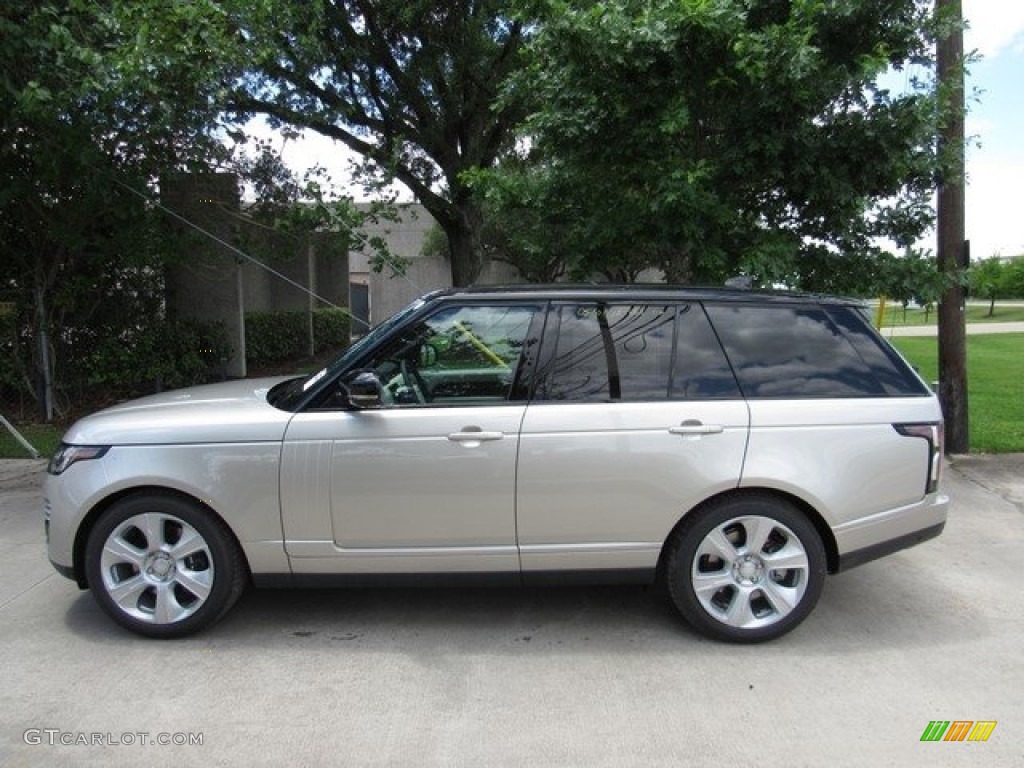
(651, 291)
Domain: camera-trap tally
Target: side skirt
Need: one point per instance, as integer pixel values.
(503, 579)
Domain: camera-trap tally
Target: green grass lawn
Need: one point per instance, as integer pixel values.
(43, 437)
(976, 313)
(995, 386)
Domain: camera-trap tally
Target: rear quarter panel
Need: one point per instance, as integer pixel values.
(842, 456)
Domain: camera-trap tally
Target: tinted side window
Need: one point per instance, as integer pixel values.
(701, 370)
(617, 352)
(889, 368)
(460, 355)
(791, 351)
(635, 352)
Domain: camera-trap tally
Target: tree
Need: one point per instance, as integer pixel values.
(986, 278)
(409, 85)
(98, 102)
(69, 233)
(724, 136)
(1013, 282)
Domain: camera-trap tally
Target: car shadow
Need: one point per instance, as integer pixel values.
(866, 610)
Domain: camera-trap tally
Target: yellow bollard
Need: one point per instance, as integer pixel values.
(880, 313)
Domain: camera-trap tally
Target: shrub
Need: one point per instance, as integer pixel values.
(330, 329)
(275, 336)
(170, 353)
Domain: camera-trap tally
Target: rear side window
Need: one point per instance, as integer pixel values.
(892, 372)
(789, 351)
(632, 352)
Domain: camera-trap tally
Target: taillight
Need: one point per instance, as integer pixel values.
(933, 433)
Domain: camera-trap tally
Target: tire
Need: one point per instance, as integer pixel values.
(163, 566)
(724, 569)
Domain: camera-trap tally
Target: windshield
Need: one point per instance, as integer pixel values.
(288, 394)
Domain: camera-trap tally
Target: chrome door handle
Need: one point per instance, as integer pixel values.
(473, 437)
(694, 427)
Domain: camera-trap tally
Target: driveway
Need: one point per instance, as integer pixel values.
(561, 677)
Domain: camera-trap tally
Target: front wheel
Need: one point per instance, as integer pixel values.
(745, 569)
(163, 566)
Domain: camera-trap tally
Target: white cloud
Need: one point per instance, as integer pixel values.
(993, 25)
(993, 210)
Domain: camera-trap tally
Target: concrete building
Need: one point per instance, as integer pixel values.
(218, 282)
(387, 292)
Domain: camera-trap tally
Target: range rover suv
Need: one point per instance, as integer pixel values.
(734, 446)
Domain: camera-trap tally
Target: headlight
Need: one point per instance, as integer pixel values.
(67, 455)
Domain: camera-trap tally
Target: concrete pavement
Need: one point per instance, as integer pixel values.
(972, 329)
(562, 677)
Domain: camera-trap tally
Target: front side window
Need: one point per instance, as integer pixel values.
(460, 355)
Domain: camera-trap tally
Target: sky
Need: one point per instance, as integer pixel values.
(995, 123)
(995, 129)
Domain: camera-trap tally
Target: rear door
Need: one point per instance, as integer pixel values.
(636, 418)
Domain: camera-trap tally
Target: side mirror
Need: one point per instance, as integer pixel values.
(364, 391)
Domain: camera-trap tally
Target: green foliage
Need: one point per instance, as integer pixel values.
(1013, 279)
(10, 343)
(714, 137)
(275, 336)
(995, 278)
(78, 124)
(331, 329)
(410, 85)
(913, 277)
(97, 98)
(299, 207)
(171, 354)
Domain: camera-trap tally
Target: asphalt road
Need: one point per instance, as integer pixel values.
(562, 677)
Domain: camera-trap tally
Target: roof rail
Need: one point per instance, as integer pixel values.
(741, 282)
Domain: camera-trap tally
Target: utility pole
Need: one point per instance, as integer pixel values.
(952, 253)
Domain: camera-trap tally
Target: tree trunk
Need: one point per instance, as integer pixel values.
(465, 246)
(45, 363)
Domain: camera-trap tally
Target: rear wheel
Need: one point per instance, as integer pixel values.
(163, 566)
(745, 569)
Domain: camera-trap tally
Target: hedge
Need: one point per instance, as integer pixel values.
(275, 336)
(173, 353)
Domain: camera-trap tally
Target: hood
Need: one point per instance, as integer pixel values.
(229, 412)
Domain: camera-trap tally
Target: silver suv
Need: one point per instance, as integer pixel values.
(732, 445)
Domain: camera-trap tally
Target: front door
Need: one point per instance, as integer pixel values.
(427, 482)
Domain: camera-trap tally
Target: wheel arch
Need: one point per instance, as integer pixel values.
(828, 538)
(94, 514)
